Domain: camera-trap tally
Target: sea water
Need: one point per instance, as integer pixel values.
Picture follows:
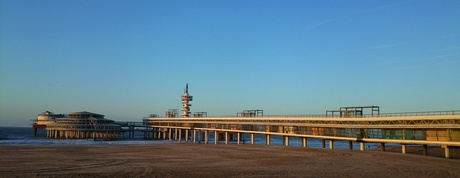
(25, 136)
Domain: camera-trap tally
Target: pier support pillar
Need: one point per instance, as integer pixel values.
(350, 145)
(238, 138)
(169, 133)
(267, 139)
(304, 142)
(382, 146)
(216, 137)
(175, 134)
(179, 132)
(226, 138)
(286, 138)
(323, 143)
(361, 146)
(446, 151)
(206, 136)
(186, 135)
(252, 138)
(159, 133)
(403, 149)
(194, 136)
(331, 144)
(425, 150)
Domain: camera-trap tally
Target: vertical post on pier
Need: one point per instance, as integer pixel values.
(226, 138)
(425, 150)
(287, 140)
(361, 146)
(206, 137)
(159, 133)
(194, 136)
(304, 142)
(169, 133)
(175, 134)
(267, 139)
(323, 143)
(382, 146)
(446, 151)
(238, 138)
(331, 144)
(216, 137)
(186, 135)
(180, 134)
(350, 145)
(403, 148)
(252, 138)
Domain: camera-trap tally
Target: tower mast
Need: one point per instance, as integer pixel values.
(185, 98)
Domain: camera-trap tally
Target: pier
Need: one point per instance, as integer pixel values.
(441, 128)
(352, 124)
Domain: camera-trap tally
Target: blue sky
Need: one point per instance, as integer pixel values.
(128, 59)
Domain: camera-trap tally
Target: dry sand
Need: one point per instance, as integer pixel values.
(197, 160)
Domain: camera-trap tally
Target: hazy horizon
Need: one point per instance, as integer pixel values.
(129, 59)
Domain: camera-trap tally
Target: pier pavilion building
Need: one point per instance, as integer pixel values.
(44, 119)
(83, 125)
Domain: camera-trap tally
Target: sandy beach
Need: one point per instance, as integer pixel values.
(195, 160)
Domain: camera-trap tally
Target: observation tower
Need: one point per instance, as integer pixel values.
(185, 98)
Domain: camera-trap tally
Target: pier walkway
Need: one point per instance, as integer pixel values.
(440, 128)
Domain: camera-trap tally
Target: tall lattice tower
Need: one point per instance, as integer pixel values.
(185, 98)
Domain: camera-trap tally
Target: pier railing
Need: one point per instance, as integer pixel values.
(426, 113)
(400, 114)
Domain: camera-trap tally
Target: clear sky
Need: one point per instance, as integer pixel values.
(128, 59)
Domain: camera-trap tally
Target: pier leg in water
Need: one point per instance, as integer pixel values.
(216, 137)
(175, 134)
(252, 138)
(304, 142)
(206, 136)
(194, 136)
(238, 138)
(169, 133)
(323, 143)
(331, 144)
(179, 132)
(446, 151)
(267, 139)
(403, 149)
(226, 138)
(350, 145)
(287, 140)
(382, 146)
(361, 146)
(186, 135)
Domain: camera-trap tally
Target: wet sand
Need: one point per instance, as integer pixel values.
(195, 160)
